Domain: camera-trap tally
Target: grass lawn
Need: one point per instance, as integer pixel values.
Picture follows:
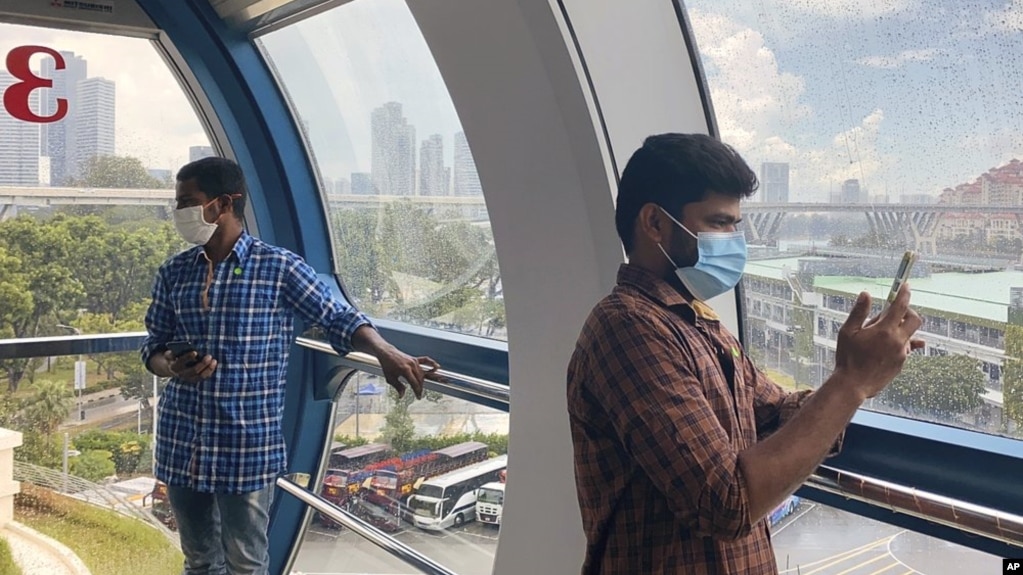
(108, 542)
(7, 565)
(785, 380)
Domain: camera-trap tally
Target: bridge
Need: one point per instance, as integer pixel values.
(11, 197)
(917, 224)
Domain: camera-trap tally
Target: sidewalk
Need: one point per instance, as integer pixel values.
(38, 554)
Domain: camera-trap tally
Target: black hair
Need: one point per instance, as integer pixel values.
(672, 170)
(217, 177)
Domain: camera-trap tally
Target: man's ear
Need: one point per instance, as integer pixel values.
(650, 223)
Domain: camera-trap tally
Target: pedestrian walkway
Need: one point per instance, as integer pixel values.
(37, 554)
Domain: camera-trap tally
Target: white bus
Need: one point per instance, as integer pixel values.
(450, 499)
(490, 502)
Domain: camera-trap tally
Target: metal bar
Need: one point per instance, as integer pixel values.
(976, 519)
(365, 530)
(70, 345)
(441, 381)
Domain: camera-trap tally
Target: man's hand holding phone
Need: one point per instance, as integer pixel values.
(185, 363)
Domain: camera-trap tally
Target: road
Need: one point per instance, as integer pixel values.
(100, 407)
(814, 540)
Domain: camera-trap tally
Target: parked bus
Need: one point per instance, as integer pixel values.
(384, 494)
(352, 458)
(450, 499)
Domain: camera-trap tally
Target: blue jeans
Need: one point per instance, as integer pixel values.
(222, 534)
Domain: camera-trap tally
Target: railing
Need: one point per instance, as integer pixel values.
(364, 530)
(990, 523)
(441, 381)
(93, 493)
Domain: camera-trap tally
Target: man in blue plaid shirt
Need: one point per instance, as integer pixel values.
(233, 297)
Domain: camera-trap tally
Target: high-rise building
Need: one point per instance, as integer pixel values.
(774, 182)
(467, 180)
(94, 122)
(393, 152)
(362, 184)
(199, 152)
(433, 176)
(58, 138)
(19, 143)
(851, 192)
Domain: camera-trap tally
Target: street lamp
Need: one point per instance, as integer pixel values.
(79, 372)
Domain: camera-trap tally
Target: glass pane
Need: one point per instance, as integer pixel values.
(430, 472)
(412, 236)
(873, 132)
(84, 225)
(810, 538)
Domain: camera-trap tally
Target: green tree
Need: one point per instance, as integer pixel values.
(43, 250)
(1012, 374)
(94, 465)
(39, 418)
(945, 386)
(115, 172)
(399, 429)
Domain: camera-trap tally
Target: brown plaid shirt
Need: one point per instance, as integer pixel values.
(656, 434)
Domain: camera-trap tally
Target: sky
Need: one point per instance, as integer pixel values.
(154, 121)
(908, 96)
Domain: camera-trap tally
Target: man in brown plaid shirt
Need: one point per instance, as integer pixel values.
(682, 446)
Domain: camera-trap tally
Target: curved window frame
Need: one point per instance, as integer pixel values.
(961, 464)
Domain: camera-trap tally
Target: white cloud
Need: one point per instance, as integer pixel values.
(154, 120)
(848, 9)
(1009, 18)
(761, 112)
(898, 60)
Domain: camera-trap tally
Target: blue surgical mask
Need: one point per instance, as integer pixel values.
(722, 258)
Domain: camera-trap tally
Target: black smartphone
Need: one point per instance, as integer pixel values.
(180, 348)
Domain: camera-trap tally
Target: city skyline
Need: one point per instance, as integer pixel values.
(823, 120)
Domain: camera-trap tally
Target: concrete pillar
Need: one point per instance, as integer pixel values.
(9, 440)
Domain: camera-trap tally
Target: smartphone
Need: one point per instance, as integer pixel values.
(180, 348)
(905, 267)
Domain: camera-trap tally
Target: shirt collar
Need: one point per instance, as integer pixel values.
(240, 251)
(663, 292)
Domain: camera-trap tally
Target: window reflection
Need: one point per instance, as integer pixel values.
(871, 136)
(411, 232)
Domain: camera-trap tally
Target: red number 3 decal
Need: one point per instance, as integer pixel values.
(16, 98)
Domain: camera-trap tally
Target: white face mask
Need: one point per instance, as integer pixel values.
(192, 226)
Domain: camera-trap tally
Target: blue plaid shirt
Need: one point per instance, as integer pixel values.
(224, 434)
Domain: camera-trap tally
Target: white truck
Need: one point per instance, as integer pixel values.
(490, 502)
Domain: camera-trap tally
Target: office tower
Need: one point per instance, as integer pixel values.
(199, 152)
(432, 173)
(467, 180)
(58, 138)
(19, 144)
(851, 192)
(393, 161)
(362, 184)
(94, 122)
(774, 182)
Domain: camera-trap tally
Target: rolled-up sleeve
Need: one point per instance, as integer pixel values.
(313, 302)
(160, 319)
(659, 411)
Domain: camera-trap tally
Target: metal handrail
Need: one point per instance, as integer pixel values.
(967, 517)
(364, 530)
(70, 345)
(441, 381)
(979, 520)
